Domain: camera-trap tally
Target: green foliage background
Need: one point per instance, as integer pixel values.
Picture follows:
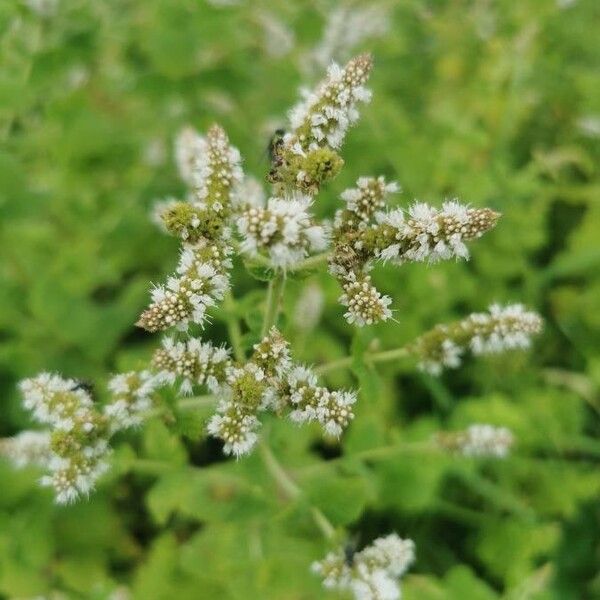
(488, 101)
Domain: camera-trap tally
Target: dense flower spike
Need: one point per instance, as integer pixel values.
(362, 202)
(27, 448)
(191, 362)
(307, 156)
(244, 394)
(131, 398)
(370, 574)
(365, 304)
(310, 402)
(427, 233)
(201, 280)
(479, 440)
(498, 330)
(284, 229)
(79, 438)
(272, 354)
(216, 171)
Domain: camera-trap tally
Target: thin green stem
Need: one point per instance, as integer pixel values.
(233, 328)
(311, 262)
(196, 401)
(369, 358)
(291, 489)
(274, 295)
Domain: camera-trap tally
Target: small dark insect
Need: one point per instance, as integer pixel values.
(274, 150)
(86, 386)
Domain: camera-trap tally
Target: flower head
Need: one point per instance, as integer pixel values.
(365, 304)
(27, 448)
(131, 398)
(284, 229)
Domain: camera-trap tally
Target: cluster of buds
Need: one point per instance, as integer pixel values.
(365, 232)
(500, 329)
(307, 155)
(78, 433)
(131, 398)
(191, 362)
(372, 573)
(283, 228)
(211, 167)
(271, 381)
(478, 440)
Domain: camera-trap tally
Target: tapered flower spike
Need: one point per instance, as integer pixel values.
(284, 229)
(501, 329)
(202, 278)
(366, 305)
(307, 156)
(191, 362)
(426, 233)
(372, 573)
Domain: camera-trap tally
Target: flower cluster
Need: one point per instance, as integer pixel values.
(479, 440)
(191, 362)
(131, 398)
(501, 328)
(364, 232)
(307, 156)
(79, 433)
(211, 167)
(372, 573)
(284, 229)
(270, 381)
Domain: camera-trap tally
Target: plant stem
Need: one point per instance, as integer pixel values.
(369, 358)
(196, 401)
(274, 294)
(311, 262)
(233, 328)
(291, 489)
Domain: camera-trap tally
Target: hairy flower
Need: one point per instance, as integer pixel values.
(201, 280)
(284, 229)
(370, 574)
(191, 362)
(131, 398)
(272, 354)
(479, 440)
(365, 304)
(27, 448)
(427, 233)
(500, 329)
(79, 438)
(311, 402)
(362, 202)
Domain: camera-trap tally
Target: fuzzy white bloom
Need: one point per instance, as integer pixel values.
(500, 329)
(366, 305)
(285, 229)
(201, 279)
(503, 328)
(364, 200)
(371, 574)
(309, 308)
(235, 428)
(323, 116)
(430, 234)
(131, 398)
(311, 402)
(55, 401)
(272, 354)
(346, 28)
(216, 169)
(79, 440)
(481, 440)
(27, 448)
(448, 356)
(158, 209)
(192, 362)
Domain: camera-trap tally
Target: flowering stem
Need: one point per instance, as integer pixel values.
(233, 328)
(369, 357)
(274, 294)
(291, 489)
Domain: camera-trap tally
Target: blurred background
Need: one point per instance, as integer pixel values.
(492, 101)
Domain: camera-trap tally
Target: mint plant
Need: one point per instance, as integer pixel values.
(224, 216)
